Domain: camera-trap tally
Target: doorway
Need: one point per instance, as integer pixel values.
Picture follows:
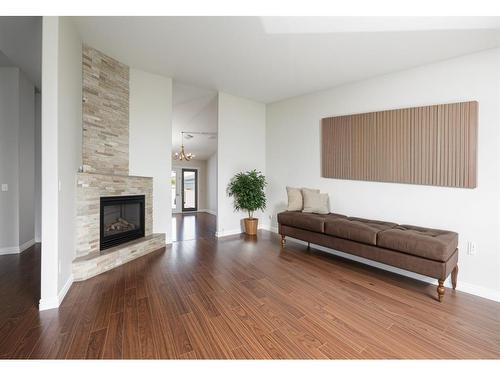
(184, 184)
(194, 178)
(189, 181)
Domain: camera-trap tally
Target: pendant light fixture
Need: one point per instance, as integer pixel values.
(182, 155)
(187, 156)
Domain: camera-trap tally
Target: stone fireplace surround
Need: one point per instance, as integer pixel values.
(106, 167)
(91, 187)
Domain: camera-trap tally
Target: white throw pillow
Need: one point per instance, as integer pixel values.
(294, 199)
(315, 202)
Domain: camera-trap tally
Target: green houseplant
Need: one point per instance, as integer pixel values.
(247, 190)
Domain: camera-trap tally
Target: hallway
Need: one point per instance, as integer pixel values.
(191, 226)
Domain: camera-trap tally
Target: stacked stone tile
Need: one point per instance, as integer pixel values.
(105, 113)
(106, 166)
(94, 264)
(90, 188)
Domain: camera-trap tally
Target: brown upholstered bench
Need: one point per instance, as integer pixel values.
(429, 252)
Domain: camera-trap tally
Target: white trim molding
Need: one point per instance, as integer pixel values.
(476, 290)
(206, 210)
(55, 302)
(64, 290)
(26, 245)
(17, 249)
(48, 303)
(230, 232)
(9, 250)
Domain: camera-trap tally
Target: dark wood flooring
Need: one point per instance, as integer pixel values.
(239, 297)
(19, 284)
(190, 226)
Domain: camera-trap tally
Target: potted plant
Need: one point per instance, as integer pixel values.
(247, 190)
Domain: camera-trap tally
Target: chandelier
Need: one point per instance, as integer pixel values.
(187, 156)
(182, 155)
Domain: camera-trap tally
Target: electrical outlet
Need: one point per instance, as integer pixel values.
(5, 187)
(471, 248)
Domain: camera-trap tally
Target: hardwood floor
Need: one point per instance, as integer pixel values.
(238, 297)
(19, 283)
(190, 226)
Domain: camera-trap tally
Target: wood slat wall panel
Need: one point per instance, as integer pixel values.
(432, 145)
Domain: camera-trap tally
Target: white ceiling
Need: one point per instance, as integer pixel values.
(268, 59)
(316, 25)
(194, 110)
(21, 42)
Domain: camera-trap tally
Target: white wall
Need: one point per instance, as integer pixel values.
(17, 154)
(26, 162)
(50, 165)
(9, 165)
(69, 143)
(61, 154)
(151, 141)
(293, 158)
(212, 184)
(38, 167)
(241, 147)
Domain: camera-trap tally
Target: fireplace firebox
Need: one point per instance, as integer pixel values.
(122, 219)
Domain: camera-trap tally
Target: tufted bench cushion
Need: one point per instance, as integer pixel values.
(307, 221)
(429, 252)
(356, 229)
(427, 243)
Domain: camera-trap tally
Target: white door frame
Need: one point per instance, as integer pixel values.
(178, 187)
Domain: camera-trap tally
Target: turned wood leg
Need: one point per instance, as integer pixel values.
(440, 290)
(283, 241)
(454, 275)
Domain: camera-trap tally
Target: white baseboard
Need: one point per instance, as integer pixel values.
(64, 289)
(205, 210)
(229, 232)
(232, 232)
(9, 250)
(208, 211)
(26, 245)
(17, 249)
(476, 290)
(48, 303)
(268, 228)
(273, 229)
(54, 302)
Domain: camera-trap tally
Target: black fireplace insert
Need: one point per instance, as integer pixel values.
(122, 219)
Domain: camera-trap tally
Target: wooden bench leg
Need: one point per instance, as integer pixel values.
(283, 241)
(440, 290)
(454, 275)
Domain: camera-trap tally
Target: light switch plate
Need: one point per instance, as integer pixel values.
(5, 187)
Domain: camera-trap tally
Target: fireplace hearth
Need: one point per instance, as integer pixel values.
(121, 219)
